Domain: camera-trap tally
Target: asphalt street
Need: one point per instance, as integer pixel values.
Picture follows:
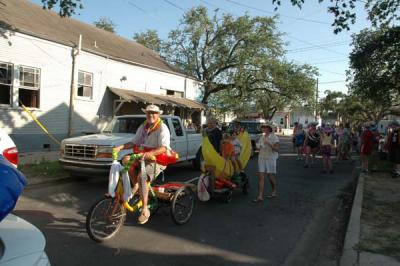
(275, 232)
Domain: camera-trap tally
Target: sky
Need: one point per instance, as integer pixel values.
(307, 32)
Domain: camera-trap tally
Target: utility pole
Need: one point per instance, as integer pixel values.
(316, 102)
(74, 81)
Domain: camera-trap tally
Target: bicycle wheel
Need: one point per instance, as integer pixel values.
(104, 219)
(182, 205)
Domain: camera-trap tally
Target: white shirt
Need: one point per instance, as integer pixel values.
(156, 139)
(266, 152)
(237, 145)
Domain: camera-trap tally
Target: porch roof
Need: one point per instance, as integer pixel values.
(149, 98)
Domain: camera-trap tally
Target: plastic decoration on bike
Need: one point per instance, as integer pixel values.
(224, 168)
(165, 158)
(245, 153)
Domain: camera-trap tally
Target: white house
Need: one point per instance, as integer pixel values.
(74, 77)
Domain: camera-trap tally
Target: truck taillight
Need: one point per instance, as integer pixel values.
(11, 154)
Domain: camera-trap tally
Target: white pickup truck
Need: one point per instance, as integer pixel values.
(91, 154)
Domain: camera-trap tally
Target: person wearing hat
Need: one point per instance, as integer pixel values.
(326, 142)
(393, 146)
(153, 133)
(214, 133)
(311, 144)
(367, 143)
(267, 157)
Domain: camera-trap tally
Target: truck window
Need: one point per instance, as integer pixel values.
(127, 125)
(177, 127)
(130, 124)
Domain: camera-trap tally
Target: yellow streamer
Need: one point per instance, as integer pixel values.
(40, 124)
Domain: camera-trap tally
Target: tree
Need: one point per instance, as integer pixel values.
(380, 13)
(374, 73)
(351, 108)
(330, 105)
(67, 7)
(298, 92)
(106, 24)
(149, 39)
(225, 53)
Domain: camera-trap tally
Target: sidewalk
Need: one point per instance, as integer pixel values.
(38, 157)
(41, 167)
(372, 233)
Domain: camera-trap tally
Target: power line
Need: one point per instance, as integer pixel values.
(175, 5)
(142, 10)
(273, 13)
(296, 18)
(316, 45)
(327, 62)
(329, 82)
(324, 70)
(213, 5)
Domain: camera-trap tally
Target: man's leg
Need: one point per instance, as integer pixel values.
(151, 170)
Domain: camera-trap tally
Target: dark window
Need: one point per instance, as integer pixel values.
(130, 124)
(85, 84)
(5, 83)
(177, 127)
(29, 89)
(175, 93)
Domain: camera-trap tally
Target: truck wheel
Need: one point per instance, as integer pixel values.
(196, 162)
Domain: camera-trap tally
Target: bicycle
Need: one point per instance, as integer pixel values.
(107, 215)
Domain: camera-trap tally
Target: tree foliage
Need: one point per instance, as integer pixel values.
(149, 39)
(243, 54)
(66, 7)
(375, 66)
(351, 108)
(298, 92)
(380, 13)
(106, 24)
(330, 105)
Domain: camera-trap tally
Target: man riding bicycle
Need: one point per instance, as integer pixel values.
(153, 133)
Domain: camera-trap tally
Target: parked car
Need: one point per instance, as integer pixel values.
(21, 243)
(8, 148)
(91, 154)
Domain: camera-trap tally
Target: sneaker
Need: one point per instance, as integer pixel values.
(144, 217)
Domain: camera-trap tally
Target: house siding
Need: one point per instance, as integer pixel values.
(55, 64)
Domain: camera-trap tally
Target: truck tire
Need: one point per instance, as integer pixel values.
(196, 162)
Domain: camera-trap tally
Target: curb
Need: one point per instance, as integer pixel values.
(350, 255)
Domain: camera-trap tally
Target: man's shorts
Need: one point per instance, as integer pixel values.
(267, 166)
(153, 170)
(326, 150)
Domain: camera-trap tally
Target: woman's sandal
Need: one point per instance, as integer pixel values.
(257, 200)
(272, 195)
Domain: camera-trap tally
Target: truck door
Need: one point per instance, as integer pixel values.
(178, 138)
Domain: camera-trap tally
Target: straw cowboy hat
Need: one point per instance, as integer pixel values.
(268, 124)
(152, 108)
